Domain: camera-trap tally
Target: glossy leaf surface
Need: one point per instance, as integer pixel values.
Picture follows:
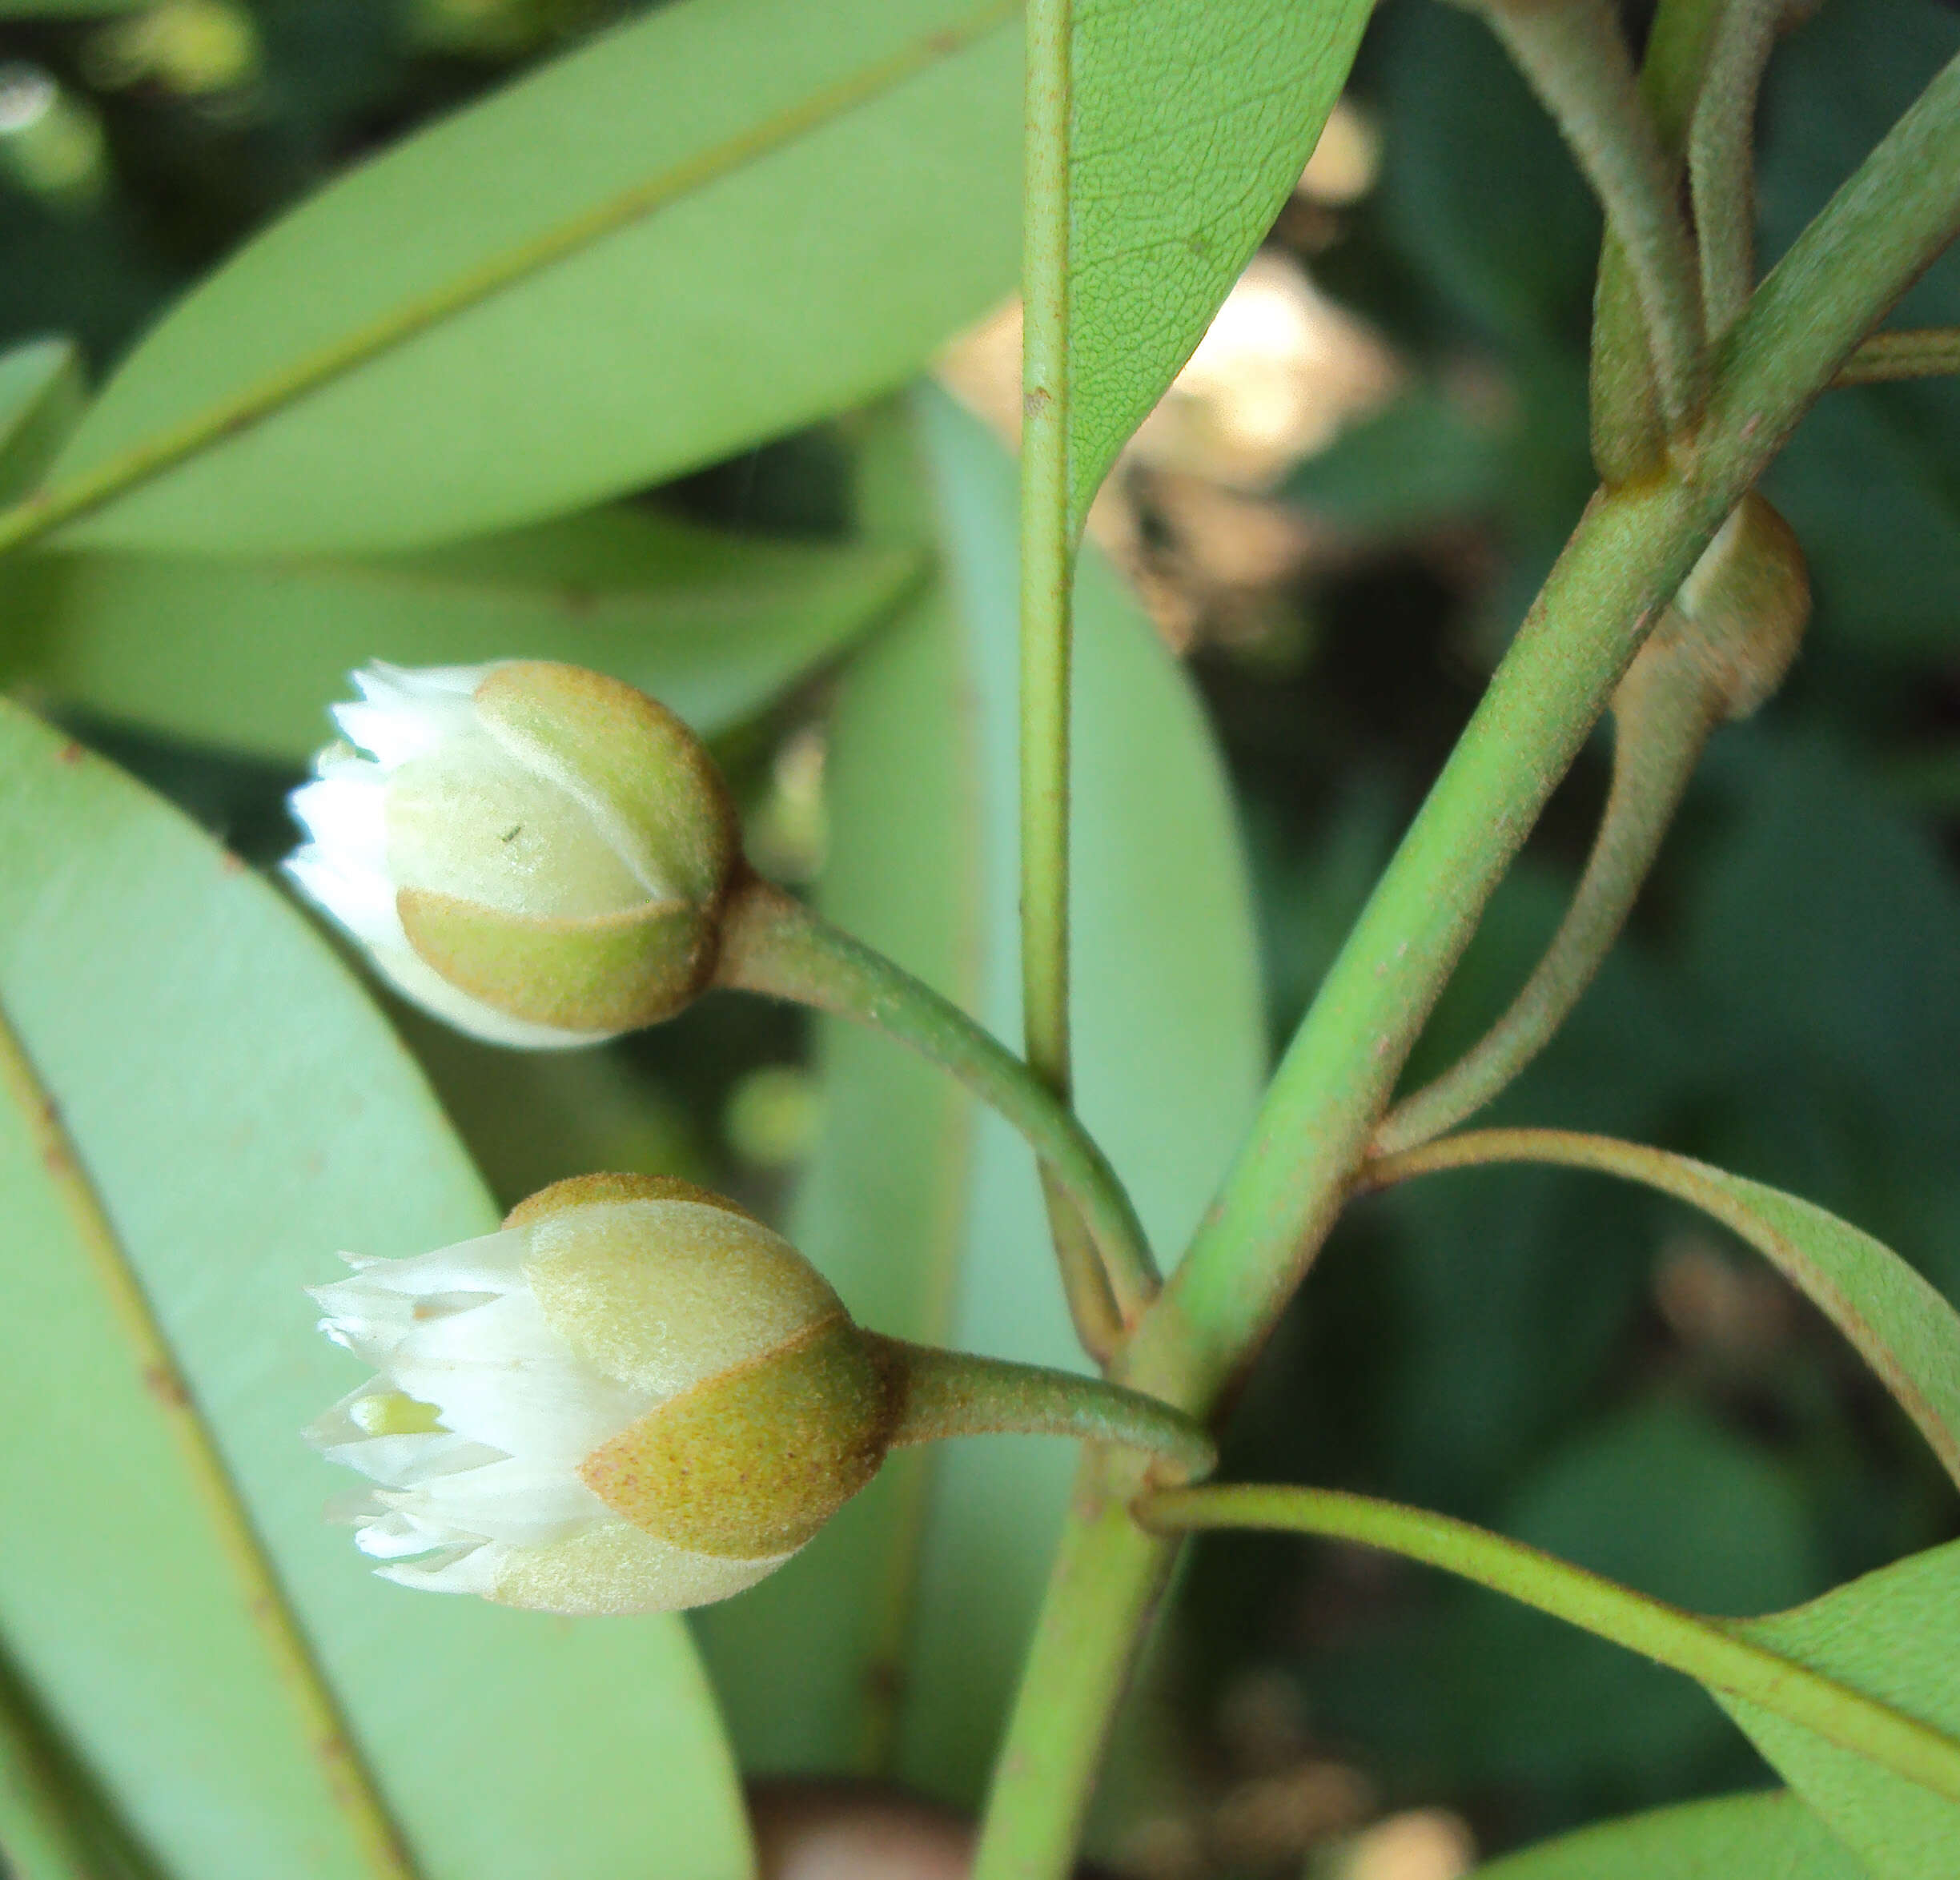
(700, 230)
(241, 1111)
(1191, 122)
(930, 1220)
(249, 655)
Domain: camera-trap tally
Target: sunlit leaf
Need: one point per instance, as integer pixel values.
(243, 1112)
(1191, 122)
(698, 231)
(926, 1228)
(1894, 1635)
(1725, 1839)
(250, 656)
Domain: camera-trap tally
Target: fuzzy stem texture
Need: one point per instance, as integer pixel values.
(1630, 553)
(772, 943)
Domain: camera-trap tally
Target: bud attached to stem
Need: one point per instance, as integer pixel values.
(536, 853)
(637, 1397)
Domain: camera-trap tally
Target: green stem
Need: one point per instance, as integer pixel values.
(1629, 554)
(772, 943)
(1628, 439)
(255, 1584)
(129, 469)
(1047, 587)
(1712, 1651)
(961, 1394)
(1657, 744)
(1906, 352)
(1720, 152)
(1577, 60)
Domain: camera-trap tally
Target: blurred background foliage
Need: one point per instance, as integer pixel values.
(1336, 519)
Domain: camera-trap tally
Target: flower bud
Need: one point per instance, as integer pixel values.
(1739, 618)
(634, 1397)
(535, 852)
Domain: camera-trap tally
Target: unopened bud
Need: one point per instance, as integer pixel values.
(536, 853)
(1738, 619)
(634, 1397)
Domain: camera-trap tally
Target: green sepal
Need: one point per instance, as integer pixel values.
(603, 973)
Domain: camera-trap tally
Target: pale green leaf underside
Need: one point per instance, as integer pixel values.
(1894, 1635)
(932, 1227)
(243, 1112)
(249, 655)
(41, 398)
(791, 268)
(1192, 121)
(1770, 1837)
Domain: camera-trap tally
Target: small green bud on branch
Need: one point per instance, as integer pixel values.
(635, 1397)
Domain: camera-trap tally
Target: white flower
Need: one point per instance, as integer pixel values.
(533, 852)
(533, 1428)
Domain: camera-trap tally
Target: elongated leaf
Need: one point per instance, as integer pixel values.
(1901, 1326)
(1735, 1838)
(241, 1111)
(926, 1232)
(1894, 1635)
(1191, 121)
(249, 655)
(701, 230)
(40, 399)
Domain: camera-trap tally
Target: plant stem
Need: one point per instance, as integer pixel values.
(772, 943)
(1712, 1652)
(1047, 590)
(1657, 746)
(1906, 352)
(1577, 60)
(128, 469)
(1721, 158)
(961, 1394)
(259, 1595)
(1629, 554)
(1628, 437)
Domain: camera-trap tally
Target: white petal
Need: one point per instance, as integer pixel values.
(521, 1503)
(405, 711)
(406, 1462)
(501, 1376)
(472, 1569)
(362, 900)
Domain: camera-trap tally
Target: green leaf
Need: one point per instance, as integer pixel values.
(1894, 1635)
(1732, 1838)
(65, 9)
(928, 1219)
(241, 1111)
(249, 655)
(41, 394)
(1901, 1326)
(701, 230)
(1191, 122)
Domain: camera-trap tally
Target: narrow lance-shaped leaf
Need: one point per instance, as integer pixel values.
(221, 1087)
(701, 229)
(41, 394)
(249, 655)
(1190, 121)
(1901, 1326)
